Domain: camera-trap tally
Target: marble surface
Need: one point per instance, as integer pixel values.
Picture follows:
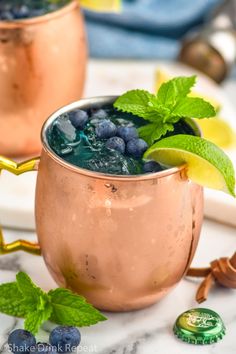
(148, 331)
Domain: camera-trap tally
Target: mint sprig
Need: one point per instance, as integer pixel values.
(72, 310)
(167, 107)
(24, 299)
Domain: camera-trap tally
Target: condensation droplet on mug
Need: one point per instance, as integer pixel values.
(108, 212)
(182, 228)
(73, 217)
(107, 203)
(55, 49)
(4, 67)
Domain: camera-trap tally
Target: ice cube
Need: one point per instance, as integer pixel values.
(66, 128)
(124, 122)
(112, 162)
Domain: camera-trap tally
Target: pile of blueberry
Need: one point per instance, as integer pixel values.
(63, 339)
(18, 10)
(123, 139)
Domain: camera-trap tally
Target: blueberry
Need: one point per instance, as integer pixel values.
(127, 133)
(65, 339)
(20, 341)
(151, 166)
(100, 114)
(20, 12)
(105, 129)
(6, 16)
(43, 348)
(136, 147)
(116, 143)
(78, 118)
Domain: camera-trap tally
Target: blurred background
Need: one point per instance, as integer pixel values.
(145, 28)
(200, 33)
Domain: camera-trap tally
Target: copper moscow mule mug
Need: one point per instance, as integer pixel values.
(121, 241)
(42, 68)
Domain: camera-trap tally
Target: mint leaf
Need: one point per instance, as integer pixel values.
(11, 300)
(156, 112)
(24, 299)
(36, 318)
(152, 132)
(135, 102)
(166, 108)
(72, 310)
(153, 115)
(35, 299)
(193, 107)
(174, 90)
(142, 104)
(27, 287)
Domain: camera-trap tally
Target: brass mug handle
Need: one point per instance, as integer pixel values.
(18, 169)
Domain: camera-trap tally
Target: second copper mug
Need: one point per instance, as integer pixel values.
(42, 68)
(121, 241)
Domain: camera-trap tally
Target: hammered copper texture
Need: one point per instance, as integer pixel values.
(122, 243)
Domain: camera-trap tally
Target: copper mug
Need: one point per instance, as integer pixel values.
(121, 241)
(42, 68)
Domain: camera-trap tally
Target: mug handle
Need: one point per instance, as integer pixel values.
(18, 169)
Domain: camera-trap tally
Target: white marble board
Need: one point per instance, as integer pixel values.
(147, 331)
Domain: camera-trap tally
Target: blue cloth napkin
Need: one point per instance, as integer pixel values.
(146, 29)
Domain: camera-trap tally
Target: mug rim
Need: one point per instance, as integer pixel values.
(86, 103)
(24, 22)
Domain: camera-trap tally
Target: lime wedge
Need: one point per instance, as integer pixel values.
(207, 164)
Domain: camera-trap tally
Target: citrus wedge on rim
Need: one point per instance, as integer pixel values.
(218, 131)
(207, 164)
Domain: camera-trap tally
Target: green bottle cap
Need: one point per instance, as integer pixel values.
(199, 326)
